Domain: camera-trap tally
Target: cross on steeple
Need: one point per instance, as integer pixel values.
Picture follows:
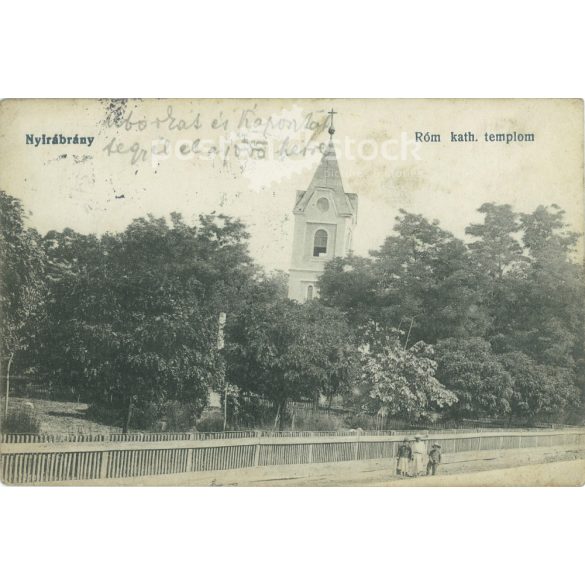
(331, 126)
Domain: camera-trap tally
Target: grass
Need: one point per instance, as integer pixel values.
(60, 417)
(21, 421)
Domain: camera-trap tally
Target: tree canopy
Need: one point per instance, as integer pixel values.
(491, 325)
(21, 277)
(503, 307)
(285, 351)
(133, 317)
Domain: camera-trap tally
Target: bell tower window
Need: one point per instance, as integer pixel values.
(320, 244)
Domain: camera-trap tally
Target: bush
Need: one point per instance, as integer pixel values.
(169, 416)
(145, 417)
(211, 422)
(317, 422)
(113, 417)
(21, 421)
(179, 417)
(249, 412)
(367, 422)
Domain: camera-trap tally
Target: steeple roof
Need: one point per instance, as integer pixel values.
(328, 176)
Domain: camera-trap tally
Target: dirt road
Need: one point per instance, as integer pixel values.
(527, 467)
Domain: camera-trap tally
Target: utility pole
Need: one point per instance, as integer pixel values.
(220, 345)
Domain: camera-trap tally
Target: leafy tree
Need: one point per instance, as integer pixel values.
(133, 316)
(401, 382)
(514, 289)
(540, 392)
(21, 283)
(546, 235)
(496, 248)
(283, 351)
(419, 280)
(76, 281)
(350, 284)
(553, 316)
(497, 262)
(542, 313)
(528, 283)
(470, 369)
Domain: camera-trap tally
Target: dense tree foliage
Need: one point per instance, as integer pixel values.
(285, 351)
(22, 286)
(400, 381)
(505, 308)
(490, 326)
(540, 391)
(481, 383)
(132, 318)
(419, 279)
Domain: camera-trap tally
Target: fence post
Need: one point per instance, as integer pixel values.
(356, 445)
(190, 455)
(257, 449)
(104, 464)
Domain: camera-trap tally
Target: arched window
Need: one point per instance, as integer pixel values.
(310, 292)
(320, 243)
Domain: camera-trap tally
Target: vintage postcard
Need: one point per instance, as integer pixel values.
(292, 292)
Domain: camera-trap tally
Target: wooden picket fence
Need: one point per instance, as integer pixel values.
(119, 437)
(45, 462)
(148, 437)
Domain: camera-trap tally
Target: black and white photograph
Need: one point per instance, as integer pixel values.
(292, 292)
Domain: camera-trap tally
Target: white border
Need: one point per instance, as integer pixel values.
(300, 49)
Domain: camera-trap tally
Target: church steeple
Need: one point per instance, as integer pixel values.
(327, 176)
(325, 216)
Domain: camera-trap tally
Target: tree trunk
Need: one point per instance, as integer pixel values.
(1, 385)
(8, 383)
(128, 417)
(282, 410)
(315, 402)
(225, 406)
(1, 391)
(408, 335)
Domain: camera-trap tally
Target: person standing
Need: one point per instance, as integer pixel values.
(404, 457)
(418, 456)
(434, 459)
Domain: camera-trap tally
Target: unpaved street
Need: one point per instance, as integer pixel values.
(544, 466)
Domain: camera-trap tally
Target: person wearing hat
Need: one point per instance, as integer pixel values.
(404, 457)
(434, 459)
(419, 451)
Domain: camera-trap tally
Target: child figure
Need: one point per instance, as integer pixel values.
(434, 459)
(404, 457)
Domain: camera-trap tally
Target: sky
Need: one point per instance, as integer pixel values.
(247, 158)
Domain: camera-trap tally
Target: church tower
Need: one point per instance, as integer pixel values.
(325, 218)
